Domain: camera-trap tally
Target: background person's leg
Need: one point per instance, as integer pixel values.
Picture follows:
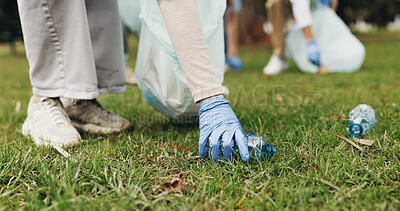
(232, 34)
(129, 71)
(334, 4)
(58, 48)
(278, 14)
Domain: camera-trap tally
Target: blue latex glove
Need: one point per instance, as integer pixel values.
(325, 3)
(234, 63)
(220, 125)
(237, 6)
(313, 54)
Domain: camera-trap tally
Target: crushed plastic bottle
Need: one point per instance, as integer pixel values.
(258, 147)
(361, 120)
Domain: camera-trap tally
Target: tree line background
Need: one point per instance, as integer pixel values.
(252, 16)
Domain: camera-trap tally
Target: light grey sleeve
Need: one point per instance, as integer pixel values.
(301, 12)
(185, 30)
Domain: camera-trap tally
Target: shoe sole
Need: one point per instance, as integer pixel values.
(95, 129)
(26, 131)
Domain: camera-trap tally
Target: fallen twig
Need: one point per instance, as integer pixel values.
(64, 153)
(348, 141)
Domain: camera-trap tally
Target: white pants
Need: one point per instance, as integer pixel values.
(74, 47)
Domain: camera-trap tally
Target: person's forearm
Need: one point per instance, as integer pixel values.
(308, 33)
(182, 20)
(302, 16)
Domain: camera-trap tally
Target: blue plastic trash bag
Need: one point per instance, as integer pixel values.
(159, 75)
(129, 12)
(340, 50)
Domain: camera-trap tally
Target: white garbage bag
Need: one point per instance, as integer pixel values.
(340, 50)
(159, 75)
(129, 11)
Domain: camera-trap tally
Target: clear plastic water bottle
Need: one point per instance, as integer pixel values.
(258, 147)
(361, 120)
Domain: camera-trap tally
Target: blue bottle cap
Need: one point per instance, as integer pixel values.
(356, 130)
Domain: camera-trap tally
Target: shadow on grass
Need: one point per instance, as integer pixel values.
(146, 129)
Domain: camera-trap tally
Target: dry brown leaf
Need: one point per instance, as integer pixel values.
(175, 185)
(338, 117)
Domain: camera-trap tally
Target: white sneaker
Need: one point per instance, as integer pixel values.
(48, 124)
(275, 65)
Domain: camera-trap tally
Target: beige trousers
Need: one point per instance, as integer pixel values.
(279, 12)
(74, 47)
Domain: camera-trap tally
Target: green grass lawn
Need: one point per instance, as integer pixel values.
(299, 113)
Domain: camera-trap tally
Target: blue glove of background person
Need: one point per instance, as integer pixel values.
(313, 53)
(325, 2)
(220, 125)
(237, 6)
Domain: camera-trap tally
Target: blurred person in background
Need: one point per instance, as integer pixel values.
(129, 13)
(278, 15)
(232, 34)
(129, 71)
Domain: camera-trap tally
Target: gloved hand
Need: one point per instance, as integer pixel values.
(218, 122)
(325, 3)
(313, 53)
(237, 6)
